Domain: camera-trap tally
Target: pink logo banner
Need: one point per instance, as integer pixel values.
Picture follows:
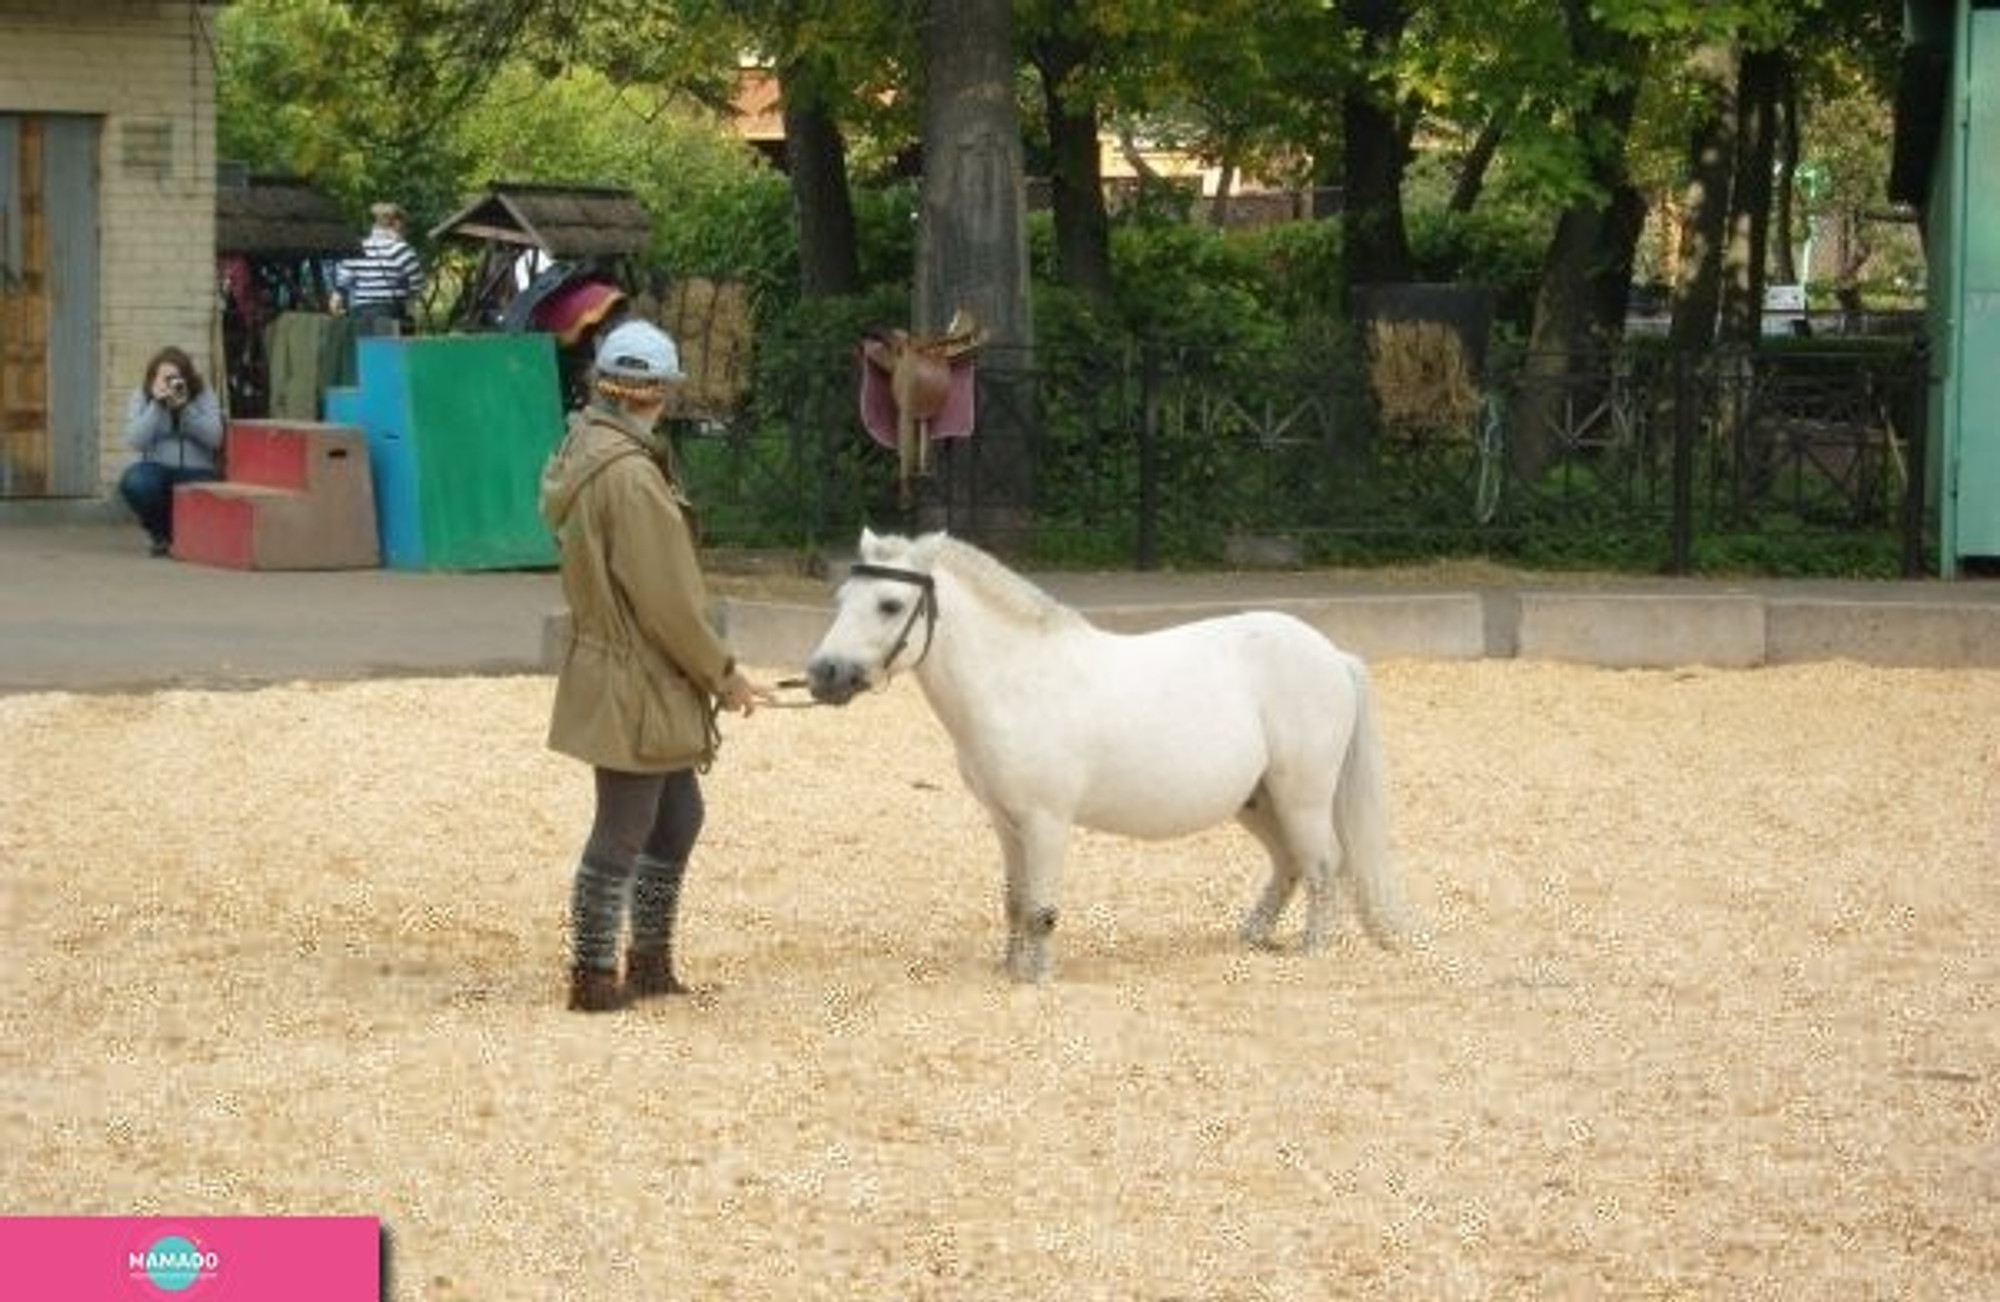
(196, 1258)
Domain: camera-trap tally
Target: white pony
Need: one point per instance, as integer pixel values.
(1058, 723)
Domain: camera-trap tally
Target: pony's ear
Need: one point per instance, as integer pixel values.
(871, 545)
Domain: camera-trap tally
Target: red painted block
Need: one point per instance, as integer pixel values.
(213, 527)
(298, 497)
(274, 453)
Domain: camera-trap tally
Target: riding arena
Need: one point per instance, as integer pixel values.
(1693, 996)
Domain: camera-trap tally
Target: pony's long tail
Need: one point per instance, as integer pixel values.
(1361, 820)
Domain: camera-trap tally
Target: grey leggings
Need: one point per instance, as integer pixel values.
(657, 814)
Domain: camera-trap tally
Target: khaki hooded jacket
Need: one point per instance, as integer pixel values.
(641, 667)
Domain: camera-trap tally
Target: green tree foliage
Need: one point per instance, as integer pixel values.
(383, 98)
(426, 100)
(293, 98)
(360, 97)
(715, 205)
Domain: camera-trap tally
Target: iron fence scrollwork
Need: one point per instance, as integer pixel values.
(1155, 458)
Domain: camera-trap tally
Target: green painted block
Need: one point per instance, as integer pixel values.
(458, 429)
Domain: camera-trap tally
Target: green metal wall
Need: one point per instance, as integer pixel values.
(1976, 514)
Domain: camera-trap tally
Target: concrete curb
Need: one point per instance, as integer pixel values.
(1615, 630)
(82, 609)
(1622, 631)
(1936, 635)
(1450, 626)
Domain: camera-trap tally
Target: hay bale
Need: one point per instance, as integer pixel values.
(710, 321)
(1422, 380)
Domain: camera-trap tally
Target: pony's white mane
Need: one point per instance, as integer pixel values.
(998, 587)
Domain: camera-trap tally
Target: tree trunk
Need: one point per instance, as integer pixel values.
(972, 255)
(1786, 218)
(1076, 173)
(1569, 328)
(1851, 250)
(1611, 267)
(1225, 190)
(816, 163)
(1472, 168)
(1374, 238)
(1758, 81)
(1711, 165)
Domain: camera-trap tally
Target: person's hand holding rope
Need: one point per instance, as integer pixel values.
(741, 696)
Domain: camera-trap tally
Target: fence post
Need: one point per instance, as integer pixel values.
(812, 457)
(1148, 557)
(1681, 530)
(1915, 405)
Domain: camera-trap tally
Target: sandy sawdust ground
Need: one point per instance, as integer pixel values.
(1707, 1007)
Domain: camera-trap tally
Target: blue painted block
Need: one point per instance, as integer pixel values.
(458, 429)
(399, 521)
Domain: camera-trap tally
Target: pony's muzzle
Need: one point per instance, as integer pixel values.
(834, 681)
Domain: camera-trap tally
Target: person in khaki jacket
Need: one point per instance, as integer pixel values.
(643, 674)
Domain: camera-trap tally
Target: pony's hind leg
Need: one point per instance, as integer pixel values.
(1262, 919)
(1321, 902)
(1302, 833)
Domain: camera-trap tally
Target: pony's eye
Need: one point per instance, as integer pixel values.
(890, 606)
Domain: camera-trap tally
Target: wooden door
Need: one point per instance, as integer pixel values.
(48, 306)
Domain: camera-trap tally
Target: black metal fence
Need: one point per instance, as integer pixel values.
(1644, 458)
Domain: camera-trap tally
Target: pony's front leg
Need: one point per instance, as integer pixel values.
(1034, 849)
(1014, 857)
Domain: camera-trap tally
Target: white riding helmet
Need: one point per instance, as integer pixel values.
(638, 352)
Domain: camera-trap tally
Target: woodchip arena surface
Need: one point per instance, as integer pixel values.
(1705, 1005)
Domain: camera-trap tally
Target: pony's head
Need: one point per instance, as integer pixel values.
(883, 617)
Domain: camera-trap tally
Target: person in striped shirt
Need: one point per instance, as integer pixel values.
(380, 285)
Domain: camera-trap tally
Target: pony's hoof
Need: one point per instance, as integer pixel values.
(1393, 932)
(1256, 933)
(1026, 968)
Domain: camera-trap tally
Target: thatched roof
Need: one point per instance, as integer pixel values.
(562, 221)
(272, 215)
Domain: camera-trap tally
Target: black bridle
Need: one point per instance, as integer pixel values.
(926, 607)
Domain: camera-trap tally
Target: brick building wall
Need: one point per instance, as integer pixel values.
(145, 71)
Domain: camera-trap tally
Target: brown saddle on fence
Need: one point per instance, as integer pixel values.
(929, 381)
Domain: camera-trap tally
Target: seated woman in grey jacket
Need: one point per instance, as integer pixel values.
(174, 423)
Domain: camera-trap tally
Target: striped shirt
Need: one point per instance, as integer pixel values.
(386, 274)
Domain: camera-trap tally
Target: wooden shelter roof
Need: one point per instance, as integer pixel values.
(562, 221)
(273, 215)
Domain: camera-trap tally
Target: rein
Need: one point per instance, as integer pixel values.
(926, 607)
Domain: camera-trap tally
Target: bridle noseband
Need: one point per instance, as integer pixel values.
(926, 607)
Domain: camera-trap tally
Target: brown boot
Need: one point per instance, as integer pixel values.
(649, 973)
(593, 990)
